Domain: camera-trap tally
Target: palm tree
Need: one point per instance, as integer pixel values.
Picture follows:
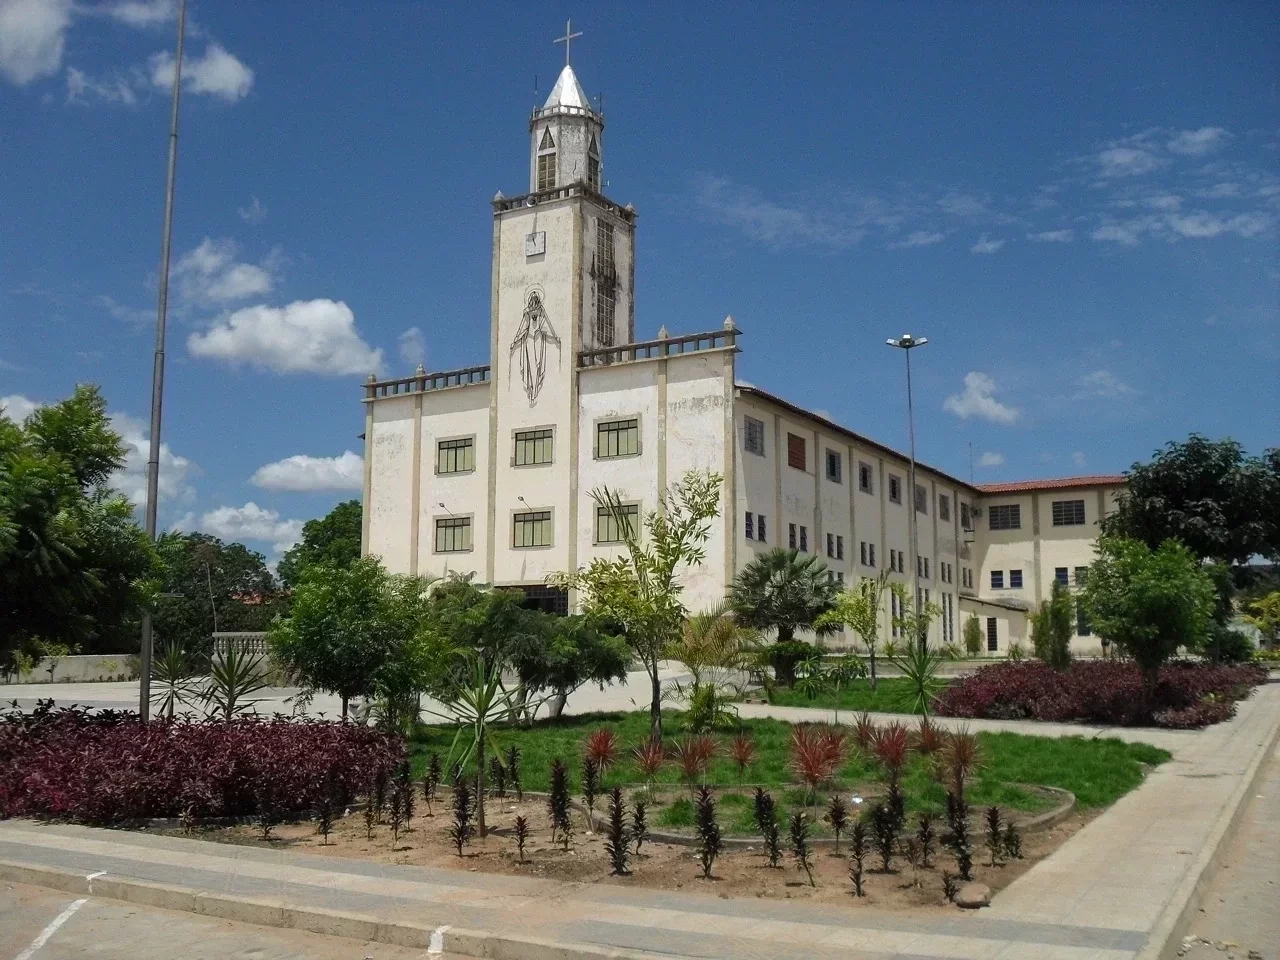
(783, 590)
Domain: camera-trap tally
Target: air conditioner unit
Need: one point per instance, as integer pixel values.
(976, 511)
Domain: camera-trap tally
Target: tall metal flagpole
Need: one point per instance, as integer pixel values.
(157, 370)
(907, 343)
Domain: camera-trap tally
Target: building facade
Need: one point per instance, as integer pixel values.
(488, 470)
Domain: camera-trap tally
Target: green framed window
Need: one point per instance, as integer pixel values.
(618, 438)
(531, 529)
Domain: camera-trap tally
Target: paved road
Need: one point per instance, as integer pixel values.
(1240, 909)
(113, 930)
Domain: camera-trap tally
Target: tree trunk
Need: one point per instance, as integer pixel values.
(873, 667)
(655, 705)
(555, 706)
(480, 771)
(345, 701)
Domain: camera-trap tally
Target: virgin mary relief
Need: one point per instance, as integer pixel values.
(530, 344)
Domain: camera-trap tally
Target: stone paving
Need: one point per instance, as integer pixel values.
(1115, 885)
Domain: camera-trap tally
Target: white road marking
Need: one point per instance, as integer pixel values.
(89, 878)
(436, 944)
(51, 929)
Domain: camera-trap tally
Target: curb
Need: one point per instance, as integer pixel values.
(1165, 939)
(433, 938)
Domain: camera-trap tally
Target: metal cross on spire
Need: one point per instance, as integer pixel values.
(568, 36)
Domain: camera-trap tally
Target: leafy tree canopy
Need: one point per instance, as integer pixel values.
(784, 590)
(211, 585)
(75, 568)
(334, 539)
(1221, 503)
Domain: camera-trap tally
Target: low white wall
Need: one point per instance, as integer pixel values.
(79, 669)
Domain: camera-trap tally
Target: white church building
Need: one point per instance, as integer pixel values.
(488, 470)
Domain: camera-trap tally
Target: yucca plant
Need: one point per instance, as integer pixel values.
(461, 830)
(558, 803)
(743, 750)
(1012, 842)
(693, 755)
(957, 838)
(884, 834)
(865, 733)
(497, 776)
(233, 680)
(649, 757)
(639, 824)
(766, 816)
(928, 738)
(995, 835)
(709, 839)
(838, 817)
(919, 666)
(925, 836)
(961, 757)
(892, 746)
(513, 771)
(800, 845)
(431, 781)
(602, 746)
(590, 787)
(172, 681)
(617, 840)
(816, 754)
(521, 835)
(857, 855)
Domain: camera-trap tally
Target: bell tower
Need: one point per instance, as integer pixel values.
(565, 134)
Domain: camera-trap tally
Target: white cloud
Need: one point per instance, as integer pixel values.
(1220, 191)
(252, 522)
(1102, 383)
(1078, 459)
(1123, 233)
(217, 73)
(210, 274)
(413, 346)
(978, 400)
(778, 223)
(1052, 236)
(135, 318)
(84, 89)
(1200, 225)
(17, 407)
(255, 212)
(963, 205)
(306, 336)
(142, 13)
(991, 459)
(1126, 160)
(1196, 143)
(32, 36)
(175, 471)
(303, 473)
(986, 246)
(918, 238)
(1164, 201)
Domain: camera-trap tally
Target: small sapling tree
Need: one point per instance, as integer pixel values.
(709, 839)
(513, 771)
(838, 817)
(1012, 842)
(521, 834)
(617, 841)
(558, 803)
(857, 855)
(800, 845)
(925, 836)
(461, 829)
(995, 835)
(639, 824)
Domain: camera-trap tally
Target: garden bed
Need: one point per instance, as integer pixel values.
(1188, 694)
(739, 872)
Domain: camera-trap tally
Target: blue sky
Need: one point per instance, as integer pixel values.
(1077, 203)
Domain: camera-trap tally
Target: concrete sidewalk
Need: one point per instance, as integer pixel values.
(1119, 889)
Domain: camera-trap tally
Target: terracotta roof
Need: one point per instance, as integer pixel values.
(1062, 483)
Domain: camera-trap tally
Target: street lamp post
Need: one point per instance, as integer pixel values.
(906, 343)
(157, 370)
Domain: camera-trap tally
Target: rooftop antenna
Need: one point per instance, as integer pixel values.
(535, 91)
(971, 462)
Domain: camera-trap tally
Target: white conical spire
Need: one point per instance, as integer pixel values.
(567, 92)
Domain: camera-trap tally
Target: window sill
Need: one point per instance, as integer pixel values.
(455, 473)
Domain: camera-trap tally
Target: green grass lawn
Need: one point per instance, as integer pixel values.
(888, 697)
(1098, 772)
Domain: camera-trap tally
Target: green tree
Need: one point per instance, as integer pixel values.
(918, 663)
(859, 609)
(639, 592)
(212, 586)
(784, 591)
(1052, 626)
(1264, 613)
(360, 632)
(334, 540)
(972, 634)
(1149, 602)
(75, 569)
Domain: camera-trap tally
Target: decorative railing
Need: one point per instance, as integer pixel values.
(252, 643)
(664, 347)
(422, 381)
(502, 204)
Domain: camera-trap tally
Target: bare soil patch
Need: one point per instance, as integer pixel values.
(737, 872)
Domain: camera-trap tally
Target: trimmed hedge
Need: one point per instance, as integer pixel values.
(109, 767)
(1187, 695)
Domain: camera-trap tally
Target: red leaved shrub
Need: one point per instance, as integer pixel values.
(108, 768)
(1107, 691)
(817, 750)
